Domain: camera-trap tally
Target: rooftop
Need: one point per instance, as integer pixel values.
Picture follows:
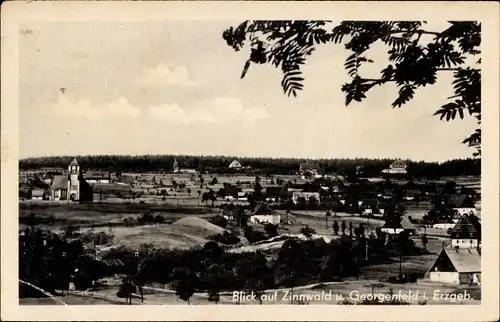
(59, 182)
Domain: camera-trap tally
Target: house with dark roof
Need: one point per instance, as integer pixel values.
(370, 206)
(38, 194)
(404, 225)
(309, 169)
(456, 266)
(466, 233)
(59, 187)
(463, 203)
(97, 176)
(264, 214)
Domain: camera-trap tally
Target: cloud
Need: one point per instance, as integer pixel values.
(83, 109)
(218, 110)
(122, 108)
(162, 75)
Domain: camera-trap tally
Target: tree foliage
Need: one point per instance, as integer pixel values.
(218, 164)
(414, 60)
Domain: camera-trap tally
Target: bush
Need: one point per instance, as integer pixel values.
(307, 231)
(271, 230)
(125, 290)
(129, 221)
(254, 236)
(100, 238)
(145, 218)
(159, 219)
(226, 238)
(71, 231)
(219, 221)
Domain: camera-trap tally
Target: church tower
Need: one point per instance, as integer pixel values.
(74, 181)
(176, 166)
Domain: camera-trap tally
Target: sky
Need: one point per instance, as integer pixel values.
(174, 88)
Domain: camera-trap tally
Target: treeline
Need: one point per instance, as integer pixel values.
(214, 164)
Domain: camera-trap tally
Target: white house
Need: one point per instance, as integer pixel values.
(398, 167)
(235, 165)
(444, 225)
(457, 266)
(296, 195)
(97, 176)
(405, 225)
(263, 214)
(37, 194)
(462, 203)
(466, 233)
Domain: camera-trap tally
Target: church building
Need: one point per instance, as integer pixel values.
(72, 186)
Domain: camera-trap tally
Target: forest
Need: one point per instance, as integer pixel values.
(271, 166)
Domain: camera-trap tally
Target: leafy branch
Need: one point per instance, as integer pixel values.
(413, 63)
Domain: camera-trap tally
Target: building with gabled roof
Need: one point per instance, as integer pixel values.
(97, 176)
(462, 203)
(404, 225)
(264, 214)
(456, 266)
(235, 165)
(397, 168)
(467, 232)
(309, 169)
(38, 194)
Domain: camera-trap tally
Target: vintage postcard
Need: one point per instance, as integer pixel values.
(250, 160)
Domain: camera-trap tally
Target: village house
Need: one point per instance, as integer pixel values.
(306, 195)
(38, 194)
(309, 170)
(462, 203)
(405, 225)
(457, 266)
(178, 169)
(125, 179)
(369, 206)
(235, 165)
(97, 176)
(242, 196)
(397, 169)
(446, 222)
(411, 194)
(264, 214)
(467, 232)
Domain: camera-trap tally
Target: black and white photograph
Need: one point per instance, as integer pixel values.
(234, 162)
